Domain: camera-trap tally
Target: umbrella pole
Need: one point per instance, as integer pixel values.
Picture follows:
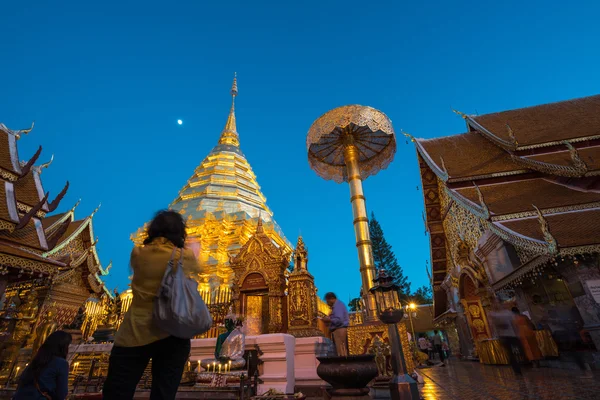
(361, 229)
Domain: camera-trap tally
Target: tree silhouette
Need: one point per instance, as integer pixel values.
(384, 257)
(423, 295)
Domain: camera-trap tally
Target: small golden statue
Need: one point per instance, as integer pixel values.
(46, 328)
(382, 351)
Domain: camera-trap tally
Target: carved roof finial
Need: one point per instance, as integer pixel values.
(578, 163)
(461, 114)
(548, 238)
(511, 135)
(24, 131)
(96, 210)
(47, 164)
(75, 206)
(484, 206)
(409, 136)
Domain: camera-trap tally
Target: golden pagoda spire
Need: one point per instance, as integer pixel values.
(229, 136)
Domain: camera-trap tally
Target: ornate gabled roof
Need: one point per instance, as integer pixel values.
(530, 176)
(224, 181)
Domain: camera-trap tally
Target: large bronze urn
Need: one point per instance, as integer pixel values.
(348, 376)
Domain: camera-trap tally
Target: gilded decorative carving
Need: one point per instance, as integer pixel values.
(361, 336)
(260, 255)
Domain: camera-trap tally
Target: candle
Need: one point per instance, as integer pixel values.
(229, 365)
(214, 368)
(219, 368)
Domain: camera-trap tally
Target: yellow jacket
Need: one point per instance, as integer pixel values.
(149, 263)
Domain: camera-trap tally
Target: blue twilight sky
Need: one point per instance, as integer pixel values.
(107, 81)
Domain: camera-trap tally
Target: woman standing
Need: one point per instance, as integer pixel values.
(139, 339)
(47, 375)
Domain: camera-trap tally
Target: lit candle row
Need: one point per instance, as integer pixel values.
(220, 368)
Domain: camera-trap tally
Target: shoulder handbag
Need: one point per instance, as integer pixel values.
(178, 307)
(45, 394)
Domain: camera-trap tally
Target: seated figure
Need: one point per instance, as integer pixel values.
(230, 347)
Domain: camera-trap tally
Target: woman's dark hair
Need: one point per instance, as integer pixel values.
(169, 225)
(56, 345)
(330, 295)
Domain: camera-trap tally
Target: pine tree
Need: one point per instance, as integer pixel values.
(423, 295)
(354, 304)
(384, 257)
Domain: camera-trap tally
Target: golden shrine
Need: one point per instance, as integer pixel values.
(513, 217)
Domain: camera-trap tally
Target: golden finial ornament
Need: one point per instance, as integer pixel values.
(461, 114)
(75, 206)
(229, 135)
(96, 210)
(234, 89)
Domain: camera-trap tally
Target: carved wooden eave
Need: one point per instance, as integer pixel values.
(65, 242)
(54, 238)
(440, 171)
(24, 220)
(26, 166)
(521, 271)
(577, 170)
(54, 203)
(480, 210)
(472, 124)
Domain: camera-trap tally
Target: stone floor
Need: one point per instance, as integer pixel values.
(468, 380)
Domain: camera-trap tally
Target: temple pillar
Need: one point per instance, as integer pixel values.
(305, 360)
(278, 362)
(302, 297)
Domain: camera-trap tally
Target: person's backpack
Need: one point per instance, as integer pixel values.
(178, 307)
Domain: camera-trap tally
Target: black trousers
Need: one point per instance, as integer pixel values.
(440, 351)
(513, 346)
(127, 364)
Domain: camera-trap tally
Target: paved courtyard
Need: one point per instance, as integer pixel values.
(467, 380)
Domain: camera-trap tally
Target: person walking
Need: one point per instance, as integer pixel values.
(47, 375)
(437, 344)
(526, 332)
(338, 323)
(423, 345)
(139, 339)
(504, 322)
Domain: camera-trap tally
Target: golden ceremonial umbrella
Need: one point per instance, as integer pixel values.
(349, 144)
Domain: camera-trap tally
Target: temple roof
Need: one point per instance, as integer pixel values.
(531, 176)
(224, 182)
(518, 196)
(547, 123)
(569, 229)
(30, 242)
